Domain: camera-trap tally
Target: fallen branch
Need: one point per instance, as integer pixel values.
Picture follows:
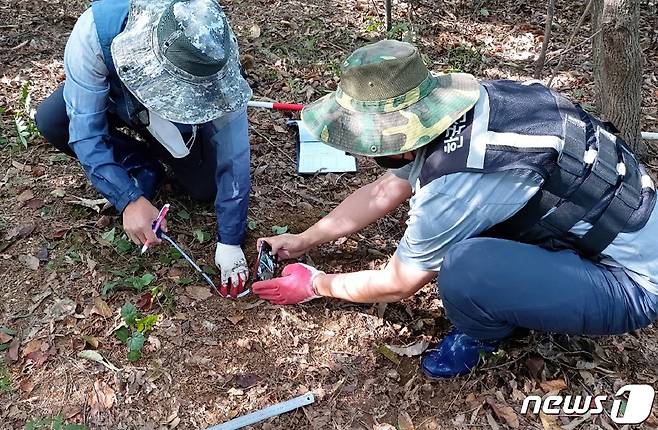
(93, 204)
(269, 141)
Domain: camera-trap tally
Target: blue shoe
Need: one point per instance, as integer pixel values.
(456, 354)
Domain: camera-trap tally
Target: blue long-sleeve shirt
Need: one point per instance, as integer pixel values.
(87, 97)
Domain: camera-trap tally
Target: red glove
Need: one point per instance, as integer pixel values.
(295, 286)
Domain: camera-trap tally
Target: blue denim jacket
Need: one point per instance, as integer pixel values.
(87, 97)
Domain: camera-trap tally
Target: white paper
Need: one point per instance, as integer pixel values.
(317, 157)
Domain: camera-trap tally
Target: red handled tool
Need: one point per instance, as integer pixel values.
(295, 107)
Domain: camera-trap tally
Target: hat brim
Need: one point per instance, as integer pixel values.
(170, 92)
(378, 134)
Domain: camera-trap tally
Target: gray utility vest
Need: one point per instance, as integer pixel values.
(589, 173)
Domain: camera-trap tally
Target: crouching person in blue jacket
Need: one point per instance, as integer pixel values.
(527, 210)
(168, 71)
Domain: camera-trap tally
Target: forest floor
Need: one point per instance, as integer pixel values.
(207, 359)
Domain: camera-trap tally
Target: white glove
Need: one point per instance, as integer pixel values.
(231, 262)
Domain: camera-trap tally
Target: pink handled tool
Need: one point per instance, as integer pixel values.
(156, 223)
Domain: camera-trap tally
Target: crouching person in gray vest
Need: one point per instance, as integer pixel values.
(170, 72)
(528, 211)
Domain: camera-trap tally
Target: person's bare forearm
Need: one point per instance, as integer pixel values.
(393, 283)
(368, 286)
(360, 209)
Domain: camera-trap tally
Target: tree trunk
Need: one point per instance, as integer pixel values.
(387, 17)
(618, 66)
(539, 65)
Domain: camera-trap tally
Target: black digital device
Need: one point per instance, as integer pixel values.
(266, 263)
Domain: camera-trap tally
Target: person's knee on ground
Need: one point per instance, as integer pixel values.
(204, 191)
(145, 169)
(53, 123)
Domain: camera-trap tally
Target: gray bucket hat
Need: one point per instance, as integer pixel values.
(180, 59)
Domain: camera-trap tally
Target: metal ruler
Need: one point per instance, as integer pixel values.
(263, 414)
(194, 265)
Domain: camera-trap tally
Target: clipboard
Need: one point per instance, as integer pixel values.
(316, 157)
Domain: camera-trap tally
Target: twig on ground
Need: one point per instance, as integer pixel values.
(454, 399)
(507, 363)
(268, 140)
(604, 411)
(20, 45)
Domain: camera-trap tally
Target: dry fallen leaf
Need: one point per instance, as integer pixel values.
(404, 421)
(279, 129)
(38, 358)
(20, 231)
(95, 356)
(58, 192)
(247, 380)
(34, 345)
(504, 412)
(102, 398)
(247, 61)
(553, 386)
(21, 166)
(29, 261)
(412, 350)
(174, 273)
(235, 319)
(145, 302)
(4, 337)
(58, 233)
(42, 254)
(580, 420)
(91, 264)
(492, 422)
(61, 309)
(93, 204)
(535, 366)
(26, 385)
(254, 32)
(549, 422)
(35, 203)
(103, 221)
(12, 352)
(198, 292)
(25, 196)
(101, 308)
(91, 341)
(390, 355)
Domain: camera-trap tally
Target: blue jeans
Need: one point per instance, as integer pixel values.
(491, 286)
(195, 174)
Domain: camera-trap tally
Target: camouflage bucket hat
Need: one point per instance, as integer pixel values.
(388, 102)
(180, 59)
